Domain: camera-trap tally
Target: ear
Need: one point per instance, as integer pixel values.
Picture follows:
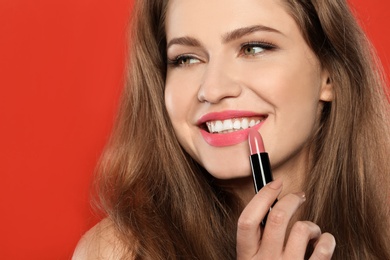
(327, 91)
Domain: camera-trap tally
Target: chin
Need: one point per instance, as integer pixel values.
(228, 172)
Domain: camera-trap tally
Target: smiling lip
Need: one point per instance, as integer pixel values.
(227, 139)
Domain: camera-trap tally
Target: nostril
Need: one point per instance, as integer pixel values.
(217, 86)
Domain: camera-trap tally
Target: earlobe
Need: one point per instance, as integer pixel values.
(327, 91)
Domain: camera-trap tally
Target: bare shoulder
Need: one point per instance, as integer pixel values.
(100, 242)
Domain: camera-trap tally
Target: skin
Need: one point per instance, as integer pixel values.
(276, 75)
(286, 84)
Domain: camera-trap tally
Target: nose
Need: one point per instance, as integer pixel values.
(218, 83)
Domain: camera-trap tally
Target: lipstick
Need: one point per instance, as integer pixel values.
(261, 167)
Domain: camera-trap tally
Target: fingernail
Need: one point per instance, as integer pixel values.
(276, 184)
(301, 195)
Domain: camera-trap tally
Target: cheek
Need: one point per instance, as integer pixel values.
(180, 95)
(288, 80)
(175, 101)
(171, 103)
(180, 106)
(291, 92)
(285, 82)
(294, 94)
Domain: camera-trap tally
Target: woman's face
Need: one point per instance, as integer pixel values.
(239, 64)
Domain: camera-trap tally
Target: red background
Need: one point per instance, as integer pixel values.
(61, 71)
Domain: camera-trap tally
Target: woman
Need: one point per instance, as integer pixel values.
(176, 183)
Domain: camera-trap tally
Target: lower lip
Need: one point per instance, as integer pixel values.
(228, 139)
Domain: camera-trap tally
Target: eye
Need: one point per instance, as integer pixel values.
(255, 48)
(252, 50)
(183, 60)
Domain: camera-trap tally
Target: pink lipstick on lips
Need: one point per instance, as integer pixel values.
(227, 139)
(261, 167)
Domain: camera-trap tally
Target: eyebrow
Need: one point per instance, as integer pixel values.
(241, 32)
(227, 37)
(188, 41)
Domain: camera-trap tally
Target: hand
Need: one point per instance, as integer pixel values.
(255, 243)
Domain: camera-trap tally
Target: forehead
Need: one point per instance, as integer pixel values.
(213, 16)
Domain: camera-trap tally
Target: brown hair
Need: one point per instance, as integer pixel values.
(163, 204)
(166, 206)
(348, 183)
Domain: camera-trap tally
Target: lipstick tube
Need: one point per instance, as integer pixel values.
(260, 164)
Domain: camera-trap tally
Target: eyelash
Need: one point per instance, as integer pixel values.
(266, 46)
(176, 61)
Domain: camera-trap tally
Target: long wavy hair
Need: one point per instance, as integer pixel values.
(166, 206)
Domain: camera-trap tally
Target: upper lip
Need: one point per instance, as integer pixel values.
(227, 114)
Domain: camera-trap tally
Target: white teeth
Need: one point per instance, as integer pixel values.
(218, 126)
(227, 124)
(244, 123)
(237, 124)
(230, 125)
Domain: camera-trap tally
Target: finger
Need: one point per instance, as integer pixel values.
(273, 238)
(248, 227)
(301, 233)
(324, 247)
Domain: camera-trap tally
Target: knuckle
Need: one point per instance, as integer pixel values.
(245, 224)
(301, 228)
(325, 248)
(277, 217)
(323, 252)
